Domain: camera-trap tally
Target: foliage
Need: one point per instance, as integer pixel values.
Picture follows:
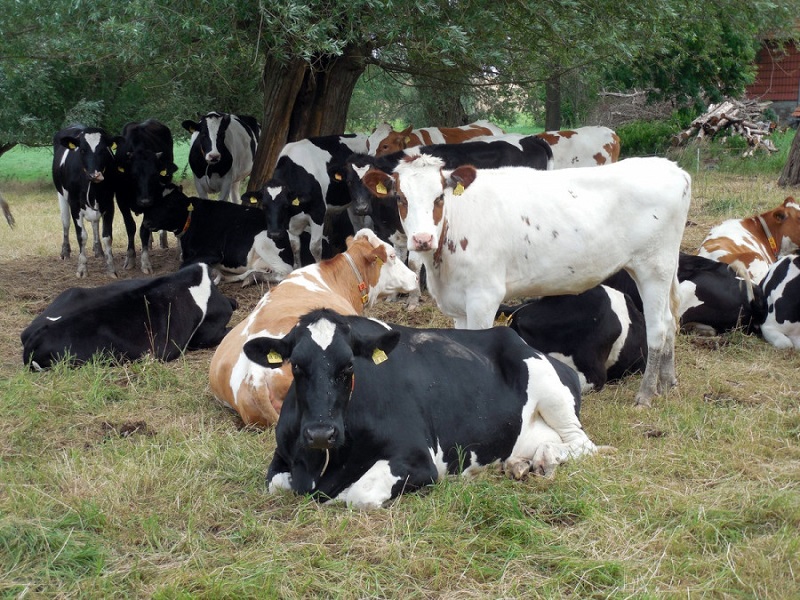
(650, 138)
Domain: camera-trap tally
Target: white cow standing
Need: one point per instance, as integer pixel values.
(488, 235)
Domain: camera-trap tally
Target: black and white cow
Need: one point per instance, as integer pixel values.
(231, 238)
(599, 333)
(377, 410)
(83, 173)
(301, 192)
(145, 164)
(161, 316)
(713, 298)
(221, 155)
(781, 287)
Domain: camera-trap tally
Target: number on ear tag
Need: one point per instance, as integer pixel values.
(459, 189)
(381, 189)
(274, 358)
(379, 356)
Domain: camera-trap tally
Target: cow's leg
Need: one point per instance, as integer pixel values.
(481, 304)
(108, 240)
(162, 238)
(658, 297)
(315, 245)
(226, 192)
(415, 264)
(145, 237)
(63, 203)
(82, 235)
(294, 242)
(96, 245)
(130, 232)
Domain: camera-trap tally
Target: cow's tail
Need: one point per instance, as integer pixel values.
(741, 271)
(7, 212)
(675, 301)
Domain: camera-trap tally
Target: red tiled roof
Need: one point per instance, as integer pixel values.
(778, 76)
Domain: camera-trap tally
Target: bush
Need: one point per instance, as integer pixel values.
(650, 138)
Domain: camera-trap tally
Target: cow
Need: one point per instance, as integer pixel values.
(520, 231)
(599, 333)
(377, 410)
(385, 140)
(159, 316)
(752, 244)
(301, 193)
(347, 283)
(146, 165)
(781, 287)
(229, 237)
(221, 154)
(7, 212)
(83, 174)
(527, 151)
(589, 146)
(713, 298)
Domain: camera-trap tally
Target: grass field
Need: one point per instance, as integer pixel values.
(130, 481)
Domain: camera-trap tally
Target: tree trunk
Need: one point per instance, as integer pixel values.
(552, 104)
(790, 176)
(301, 102)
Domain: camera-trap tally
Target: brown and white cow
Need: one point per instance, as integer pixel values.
(346, 283)
(589, 146)
(751, 245)
(385, 140)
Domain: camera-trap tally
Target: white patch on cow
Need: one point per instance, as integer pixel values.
(372, 489)
(357, 144)
(93, 140)
(280, 481)
(309, 278)
(274, 191)
(53, 318)
(567, 360)
(377, 136)
(687, 292)
(437, 457)
(474, 467)
(312, 159)
(322, 332)
(202, 291)
(620, 308)
(213, 122)
(265, 257)
(793, 205)
(361, 171)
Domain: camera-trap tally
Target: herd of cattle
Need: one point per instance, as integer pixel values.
(368, 409)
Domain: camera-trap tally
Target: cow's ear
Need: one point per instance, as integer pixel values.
(250, 199)
(190, 126)
(461, 179)
(376, 347)
(70, 143)
(779, 214)
(268, 352)
(378, 182)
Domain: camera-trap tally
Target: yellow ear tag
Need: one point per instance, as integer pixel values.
(121, 169)
(379, 356)
(381, 189)
(459, 189)
(408, 139)
(253, 200)
(72, 146)
(163, 173)
(337, 177)
(190, 208)
(296, 202)
(113, 146)
(274, 358)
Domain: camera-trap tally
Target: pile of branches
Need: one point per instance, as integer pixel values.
(732, 117)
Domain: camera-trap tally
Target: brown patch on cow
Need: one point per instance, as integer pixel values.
(567, 133)
(599, 158)
(437, 255)
(464, 242)
(426, 137)
(400, 140)
(613, 148)
(438, 210)
(550, 138)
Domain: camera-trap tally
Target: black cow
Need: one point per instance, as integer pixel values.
(83, 174)
(713, 299)
(229, 237)
(301, 192)
(163, 317)
(146, 164)
(377, 410)
(781, 288)
(599, 333)
(221, 154)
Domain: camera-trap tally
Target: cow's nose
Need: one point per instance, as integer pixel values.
(96, 177)
(362, 210)
(320, 437)
(274, 235)
(422, 241)
(212, 157)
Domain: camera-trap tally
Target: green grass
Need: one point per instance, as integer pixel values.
(128, 480)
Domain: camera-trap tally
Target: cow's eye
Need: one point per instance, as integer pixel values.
(297, 370)
(401, 201)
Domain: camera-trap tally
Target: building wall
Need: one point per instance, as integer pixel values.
(778, 77)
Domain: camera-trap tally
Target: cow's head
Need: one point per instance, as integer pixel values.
(385, 274)
(422, 187)
(147, 171)
(321, 350)
(96, 151)
(784, 222)
(350, 173)
(209, 133)
(279, 204)
(170, 212)
(395, 141)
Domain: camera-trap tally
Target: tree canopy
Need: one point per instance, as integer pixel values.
(295, 64)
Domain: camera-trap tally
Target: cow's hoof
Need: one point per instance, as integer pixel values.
(642, 403)
(81, 274)
(518, 468)
(147, 270)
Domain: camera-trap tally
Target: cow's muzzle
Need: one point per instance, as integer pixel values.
(421, 242)
(320, 437)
